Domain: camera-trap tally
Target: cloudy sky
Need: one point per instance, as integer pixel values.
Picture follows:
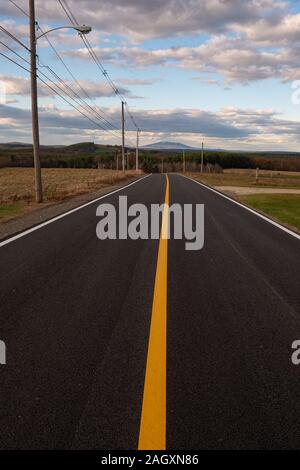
(226, 72)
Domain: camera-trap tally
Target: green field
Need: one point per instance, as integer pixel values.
(283, 207)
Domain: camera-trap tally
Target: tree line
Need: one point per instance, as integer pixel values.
(109, 157)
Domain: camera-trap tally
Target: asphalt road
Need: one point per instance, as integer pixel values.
(76, 315)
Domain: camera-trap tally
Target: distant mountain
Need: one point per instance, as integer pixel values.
(15, 145)
(168, 146)
(84, 146)
(24, 145)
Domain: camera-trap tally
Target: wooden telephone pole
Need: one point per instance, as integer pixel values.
(34, 106)
(123, 138)
(137, 150)
(202, 158)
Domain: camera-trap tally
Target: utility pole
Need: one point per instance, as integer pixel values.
(123, 138)
(162, 165)
(183, 157)
(127, 159)
(34, 106)
(202, 158)
(137, 150)
(256, 175)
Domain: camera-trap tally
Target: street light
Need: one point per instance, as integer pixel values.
(34, 98)
(81, 29)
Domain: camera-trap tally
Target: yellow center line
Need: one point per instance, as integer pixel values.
(153, 420)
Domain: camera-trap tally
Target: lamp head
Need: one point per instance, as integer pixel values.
(83, 29)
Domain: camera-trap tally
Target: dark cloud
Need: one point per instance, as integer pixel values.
(230, 123)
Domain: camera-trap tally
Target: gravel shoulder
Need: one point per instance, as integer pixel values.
(244, 191)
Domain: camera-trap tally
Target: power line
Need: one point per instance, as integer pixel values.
(12, 60)
(89, 47)
(55, 91)
(108, 78)
(4, 30)
(101, 114)
(66, 100)
(97, 109)
(85, 106)
(106, 126)
(95, 58)
(60, 58)
(19, 8)
(53, 83)
(16, 53)
(74, 21)
(68, 12)
(106, 75)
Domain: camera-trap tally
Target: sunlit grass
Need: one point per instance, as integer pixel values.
(283, 207)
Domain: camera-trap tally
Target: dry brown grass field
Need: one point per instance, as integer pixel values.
(247, 178)
(17, 186)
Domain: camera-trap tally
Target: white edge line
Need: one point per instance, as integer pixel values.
(61, 216)
(282, 227)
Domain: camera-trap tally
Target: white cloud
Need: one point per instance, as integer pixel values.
(265, 43)
(20, 86)
(141, 19)
(138, 81)
(228, 128)
(236, 60)
(273, 31)
(245, 41)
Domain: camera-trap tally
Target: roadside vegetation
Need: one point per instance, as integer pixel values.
(87, 167)
(90, 155)
(247, 178)
(17, 186)
(284, 208)
(245, 187)
(10, 211)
